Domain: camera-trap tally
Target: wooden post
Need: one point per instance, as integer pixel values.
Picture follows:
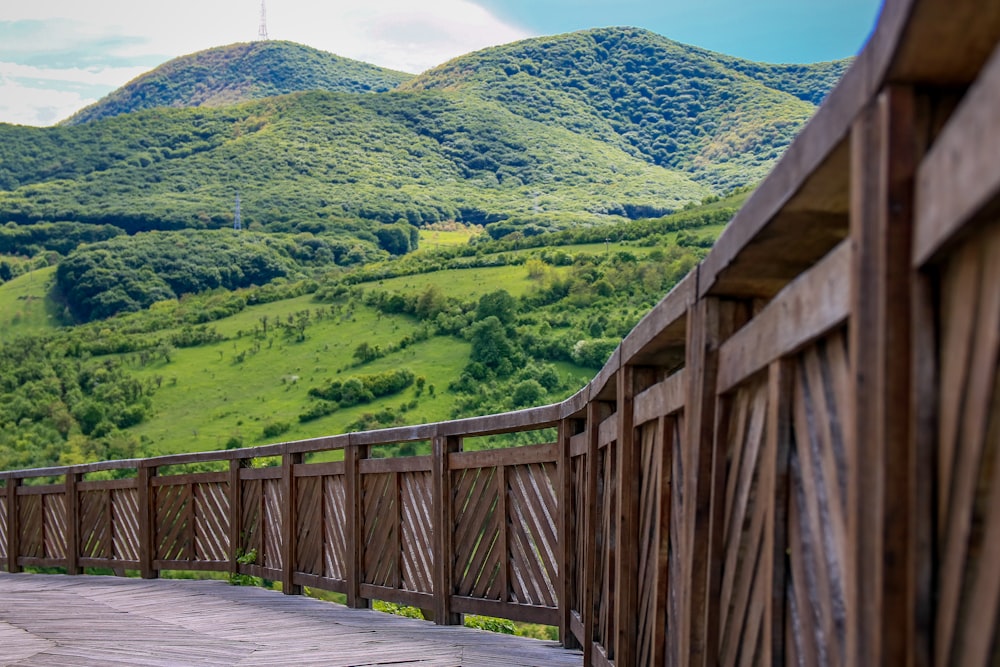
(774, 465)
(565, 519)
(596, 412)
(72, 523)
(627, 561)
(13, 525)
(147, 521)
(882, 463)
(355, 526)
(289, 523)
(235, 515)
(711, 321)
(444, 527)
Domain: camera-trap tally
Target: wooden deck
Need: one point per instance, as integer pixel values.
(48, 620)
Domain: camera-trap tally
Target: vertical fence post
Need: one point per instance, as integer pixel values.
(72, 522)
(626, 576)
(885, 155)
(444, 526)
(235, 515)
(564, 498)
(596, 411)
(355, 525)
(289, 523)
(13, 525)
(711, 320)
(147, 521)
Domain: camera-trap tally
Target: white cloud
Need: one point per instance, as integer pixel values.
(126, 35)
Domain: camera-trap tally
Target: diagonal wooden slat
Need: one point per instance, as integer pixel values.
(309, 531)
(532, 531)
(3, 529)
(477, 554)
(335, 535)
(417, 559)
(210, 521)
(252, 515)
(271, 524)
(31, 535)
(606, 544)
(94, 540)
(381, 515)
(125, 524)
(54, 505)
(174, 522)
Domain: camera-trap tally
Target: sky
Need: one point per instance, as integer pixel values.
(57, 56)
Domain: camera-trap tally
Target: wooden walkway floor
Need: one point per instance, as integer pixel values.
(48, 620)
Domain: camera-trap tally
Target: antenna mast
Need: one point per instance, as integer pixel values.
(262, 30)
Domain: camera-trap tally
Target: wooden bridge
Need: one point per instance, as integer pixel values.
(793, 458)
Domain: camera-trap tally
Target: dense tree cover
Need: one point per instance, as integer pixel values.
(60, 237)
(718, 118)
(127, 274)
(239, 72)
(588, 128)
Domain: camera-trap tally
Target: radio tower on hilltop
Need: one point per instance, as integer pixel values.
(262, 29)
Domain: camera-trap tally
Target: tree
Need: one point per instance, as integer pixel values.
(490, 344)
(499, 304)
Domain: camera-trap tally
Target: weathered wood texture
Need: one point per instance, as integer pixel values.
(793, 459)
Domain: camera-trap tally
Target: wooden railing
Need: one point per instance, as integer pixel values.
(793, 458)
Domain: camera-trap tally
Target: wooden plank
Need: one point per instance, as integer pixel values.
(564, 495)
(503, 540)
(319, 469)
(105, 484)
(399, 464)
(13, 485)
(663, 398)
(289, 524)
(355, 525)
(816, 302)
(72, 523)
(273, 472)
(322, 583)
(235, 491)
(444, 526)
(608, 430)
(199, 565)
(958, 180)
(193, 478)
(399, 596)
(40, 490)
(108, 563)
(884, 163)
(627, 517)
(593, 429)
(489, 458)
(515, 612)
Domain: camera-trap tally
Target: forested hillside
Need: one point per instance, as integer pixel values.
(227, 75)
(589, 128)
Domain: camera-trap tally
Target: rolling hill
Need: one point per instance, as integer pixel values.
(593, 127)
(236, 73)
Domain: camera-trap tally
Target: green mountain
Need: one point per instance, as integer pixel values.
(589, 128)
(240, 72)
(720, 119)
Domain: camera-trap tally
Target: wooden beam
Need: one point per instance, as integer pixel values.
(444, 526)
(13, 525)
(355, 535)
(73, 523)
(147, 521)
(235, 515)
(565, 520)
(881, 501)
(289, 524)
(959, 179)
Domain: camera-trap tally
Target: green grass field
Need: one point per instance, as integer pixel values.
(25, 305)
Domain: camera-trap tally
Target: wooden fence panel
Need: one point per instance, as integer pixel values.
(54, 526)
(415, 532)
(335, 531)
(310, 543)
(174, 524)
(531, 530)
(968, 508)
(380, 493)
(125, 524)
(577, 537)
(270, 524)
(478, 518)
(3, 530)
(748, 497)
(606, 525)
(252, 515)
(655, 442)
(95, 524)
(818, 559)
(31, 516)
(211, 521)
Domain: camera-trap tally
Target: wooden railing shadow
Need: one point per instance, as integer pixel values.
(793, 458)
